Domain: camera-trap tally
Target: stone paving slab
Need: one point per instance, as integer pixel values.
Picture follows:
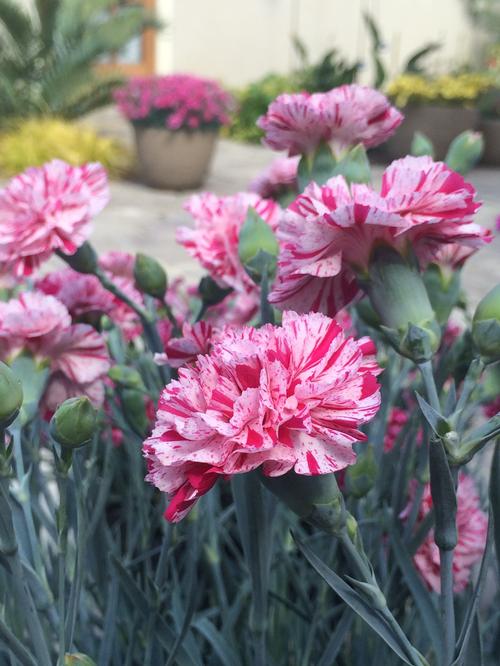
(143, 219)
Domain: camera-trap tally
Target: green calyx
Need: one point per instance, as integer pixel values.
(11, 395)
(74, 423)
(150, 277)
(486, 326)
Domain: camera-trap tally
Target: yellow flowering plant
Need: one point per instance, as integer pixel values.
(450, 89)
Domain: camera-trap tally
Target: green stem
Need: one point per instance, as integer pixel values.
(447, 605)
(62, 524)
(365, 572)
(430, 385)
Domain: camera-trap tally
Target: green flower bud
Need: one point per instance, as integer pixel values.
(258, 248)
(78, 659)
(361, 476)
(316, 499)
(421, 145)
(74, 422)
(126, 377)
(134, 410)
(367, 314)
(398, 295)
(84, 260)
(443, 289)
(465, 151)
(210, 292)
(486, 326)
(11, 396)
(150, 277)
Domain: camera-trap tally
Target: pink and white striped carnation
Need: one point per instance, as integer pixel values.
(196, 339)
(343, 117)
(278, 398)
(328, 233)
(472, 528)
(40, 325)
(278, 178)
(48, 208)
(214, 239)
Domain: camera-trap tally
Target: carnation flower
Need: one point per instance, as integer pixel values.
(214, 239)
(196, 339)
(343, 117)
(48, 208)
(76, 354)
(81, 293)
(327, 235)
(278, 398)
(472, 528)
(278, 178)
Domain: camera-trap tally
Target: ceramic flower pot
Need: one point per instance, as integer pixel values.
(440, 124)
(174, 160)
(490, 128)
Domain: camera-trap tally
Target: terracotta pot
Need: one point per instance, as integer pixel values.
(491, 135)
(174, 160)
(440, 124)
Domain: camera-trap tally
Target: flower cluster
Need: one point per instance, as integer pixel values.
(177, 101)
(289, 397)
(41, 326)
(47, 209)
(343, 117)
(472, 527)
(461, 89)
(327, 235)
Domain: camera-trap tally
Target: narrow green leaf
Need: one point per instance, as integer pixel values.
(337, 639)
(423, 599)
(224, 651)
(495, 498)
(371, 616)
(421, 145)
(14, 646)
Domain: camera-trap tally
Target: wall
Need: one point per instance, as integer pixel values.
(238, 41)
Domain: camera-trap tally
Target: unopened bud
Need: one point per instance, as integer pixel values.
(150, 276)
(74, 422)
(84, 260)
(399, 297)
(465, 151)
(211, 293)
(78, 659)
(126, 377)
(11, 395)
(360, 477)
(486, 326)
(317, 499)
(443, 289)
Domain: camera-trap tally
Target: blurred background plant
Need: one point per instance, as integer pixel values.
(462, 89)
(49, 49)
(35, 141)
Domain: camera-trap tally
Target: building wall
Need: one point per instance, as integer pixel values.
(238, 41)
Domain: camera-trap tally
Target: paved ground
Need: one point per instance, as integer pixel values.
(143, 219)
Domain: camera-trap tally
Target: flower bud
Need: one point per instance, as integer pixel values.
(465, 151)
(257, 247)
(486, 326)
(399, 297)
(126, 377)
(421, 145)
(78, 659)
(84, 260)
(150, 277)
(211, 293)
(360, 477)
(11, 396)
(74, 422)
(316, 499)
(443, 289)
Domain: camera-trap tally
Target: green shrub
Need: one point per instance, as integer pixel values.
(35, 141)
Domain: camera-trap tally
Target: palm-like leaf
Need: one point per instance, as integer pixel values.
(49, 50)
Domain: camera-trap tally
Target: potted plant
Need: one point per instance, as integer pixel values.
(489, 107)
(440, 107)
(176, 119)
